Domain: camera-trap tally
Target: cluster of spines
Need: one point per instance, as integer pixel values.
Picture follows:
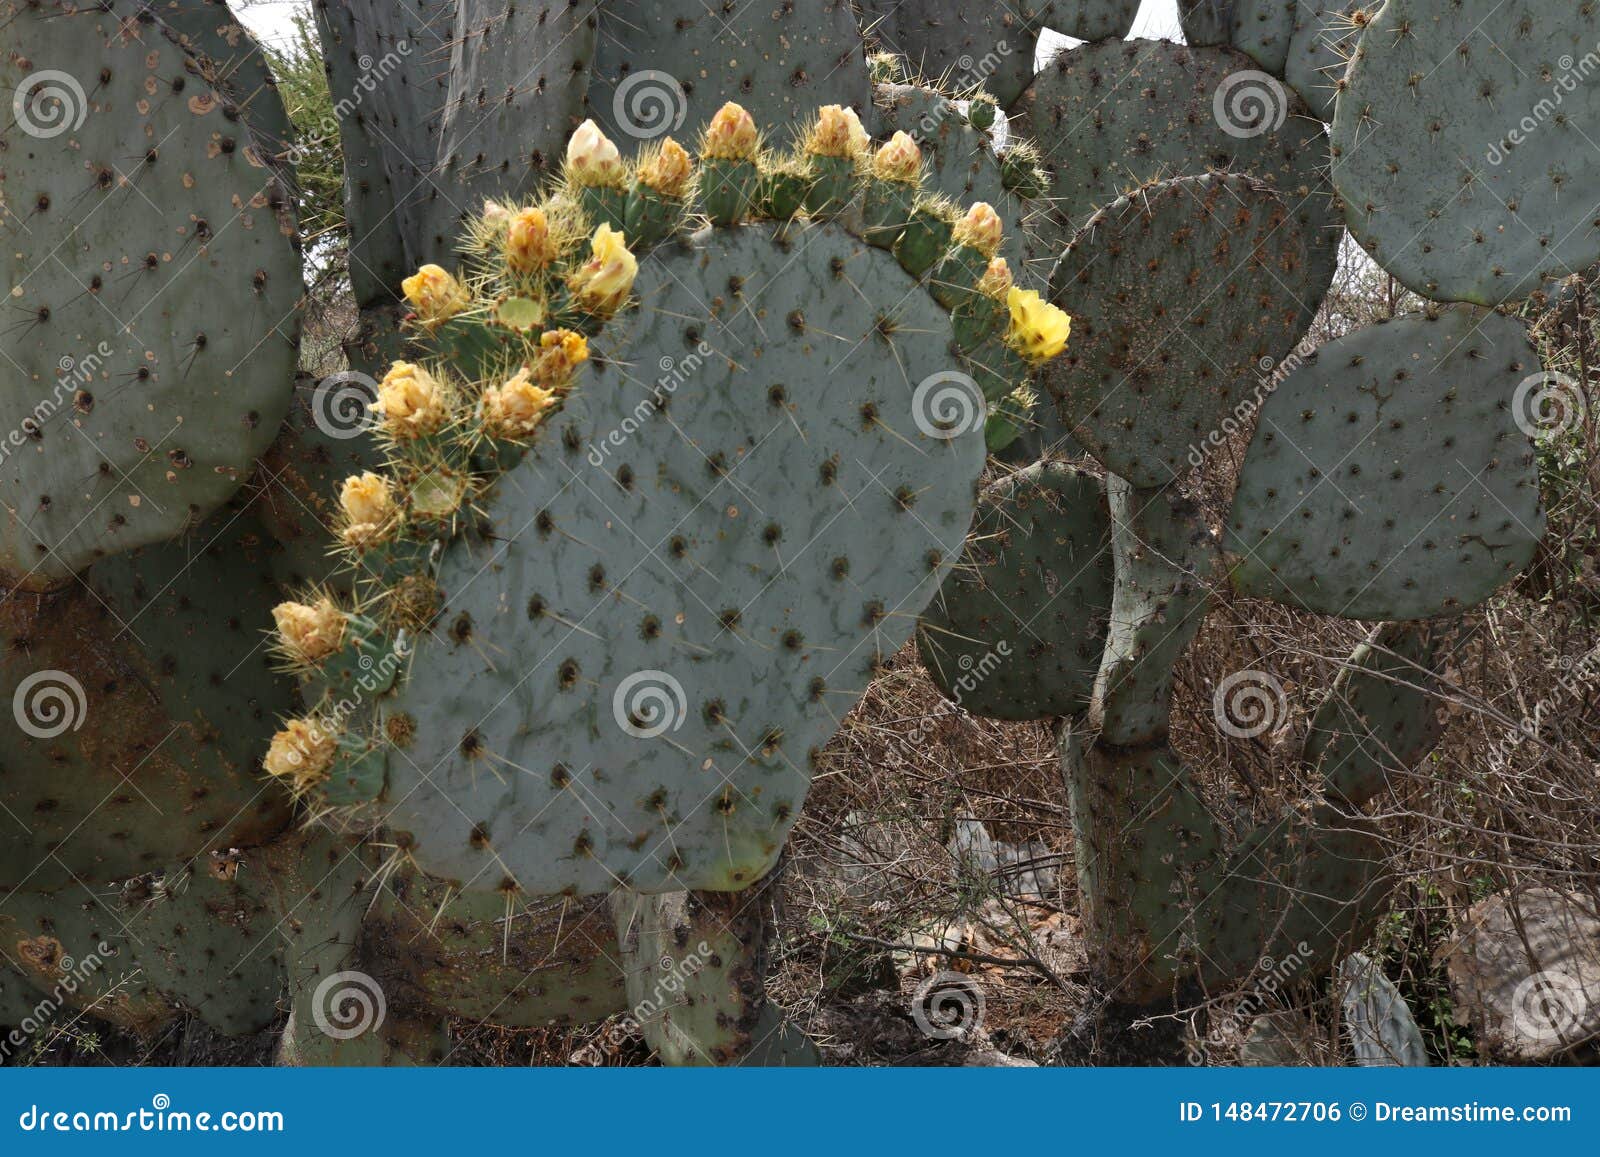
(502, 343)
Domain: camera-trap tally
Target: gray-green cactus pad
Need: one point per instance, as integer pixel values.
(1115, 115)
(1381, 717)
(780, 61)
(152, 274)
(1324, 39)
(1179, 295)
(1017, 629)
(1388, 478)
(1262, 29)
(1461, 146)
(681, 590)
(960, 45)
(144, 698)
(1094, 19)
(1206, 23)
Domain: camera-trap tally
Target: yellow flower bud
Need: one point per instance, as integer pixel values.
(309, 634)
(668, 169)
(302, 753)
(369, 508)
(980, 229)
(593, 161)
(731, 136)
(603, 283)
(560, 353)
(899, 160)
(528, 245)
(435, 295)
(411, 402)
(1039, 331)
(515, 409)
(996, 280)
(837, 133)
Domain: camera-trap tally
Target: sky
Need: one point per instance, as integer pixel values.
(269, 19)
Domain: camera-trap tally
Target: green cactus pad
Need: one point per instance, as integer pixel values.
(1381, 717)
(734, 547)
(1094, 19)
(1036, 580)
(781, 62)
(149, 697)
(1388, 478)
(1432, 189)
(1319, 51)
(525, 964)
(1166, 124)
(963, 46)
(1179, 295)
(1206, 23)
(152, 260)
(1262, 30)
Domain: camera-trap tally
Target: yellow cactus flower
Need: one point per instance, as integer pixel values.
(1039, 331)
(593, 161)
(435, 294)
(528, 245)
(996, 280)
(494, 213)
(731, 136)
(369, 508)
(309, 633)
(515, 409)
(302, 753)
(899, 160)
(560, 353)
(603, 283)
(667, 170)
(980, 229)
(837, 133)
(411, 402)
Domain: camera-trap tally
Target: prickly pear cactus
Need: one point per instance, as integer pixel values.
(153, 271)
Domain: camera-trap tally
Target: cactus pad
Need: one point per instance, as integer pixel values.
(1179, 294)
(1446, 205)
(1388, 478)
(1036, 580)
(152, 260)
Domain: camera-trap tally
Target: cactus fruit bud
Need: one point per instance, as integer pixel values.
(837, 133)
(494, 213)
(603, 283)
(731, 136)
(369, 508)
(1039, 331)
(980, 229)
(561, 352)
(996, 280)
(899, 160)
(411, 402)
(593, 162)
(435, 294)
(515, 409)
(302, 753)
(528, 245)
(309, 634)
(667, 170)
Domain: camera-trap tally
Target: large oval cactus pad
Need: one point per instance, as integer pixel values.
(690, 579)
